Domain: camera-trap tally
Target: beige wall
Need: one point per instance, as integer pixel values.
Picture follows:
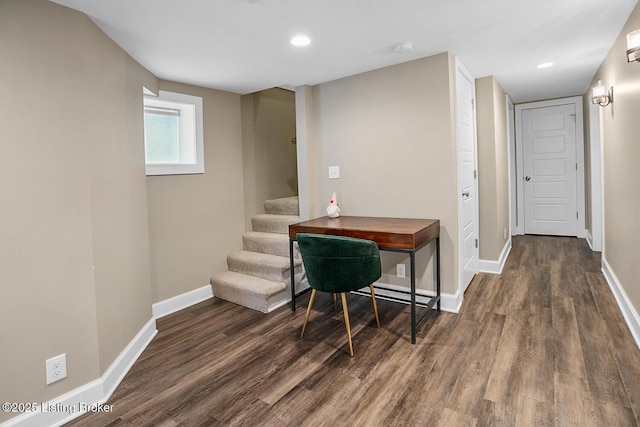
(196, 220)
(493, 168)
(391, 132)
(118, 194)
(269, 156)
(307, 188)
(74, 263)
(621, 157)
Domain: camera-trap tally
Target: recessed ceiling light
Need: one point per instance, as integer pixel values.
(300, 40)
(545, 65)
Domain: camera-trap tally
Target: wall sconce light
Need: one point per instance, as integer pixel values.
(601, 95)
(633, 46)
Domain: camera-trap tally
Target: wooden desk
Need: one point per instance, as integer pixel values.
(390, 234)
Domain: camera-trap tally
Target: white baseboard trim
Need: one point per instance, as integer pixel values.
(179, 302)
(582, 233)
(628, 310)
(89, 397)
(278, 305)
(495, 267)
(448, 302)
(589, 239)
(124, 362)
(453, 303)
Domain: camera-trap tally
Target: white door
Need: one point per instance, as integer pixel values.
(550, 170)
(467, 183)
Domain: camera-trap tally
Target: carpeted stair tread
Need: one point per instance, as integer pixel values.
(266, 266)
(283, 206)
(249, 291)
(273, 223)
(266, 243)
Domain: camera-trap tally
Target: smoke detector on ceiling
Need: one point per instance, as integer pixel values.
(403, 47)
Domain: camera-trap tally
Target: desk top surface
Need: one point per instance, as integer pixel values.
(388, 233)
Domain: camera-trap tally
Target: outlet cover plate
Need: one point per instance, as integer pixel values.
(400, 270)
(56, 368)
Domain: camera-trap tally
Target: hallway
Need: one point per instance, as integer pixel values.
(565, 353)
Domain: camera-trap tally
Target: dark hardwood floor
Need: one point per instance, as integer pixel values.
(542, 344)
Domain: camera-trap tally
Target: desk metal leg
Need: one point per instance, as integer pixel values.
(438, 270)
(292, 276)
(412, 257)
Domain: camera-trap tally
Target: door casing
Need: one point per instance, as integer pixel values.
(519, 166)
(462, 73)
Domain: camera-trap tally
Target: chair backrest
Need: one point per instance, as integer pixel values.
(339, 264)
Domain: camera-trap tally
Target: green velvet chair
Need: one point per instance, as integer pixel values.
(339, 264)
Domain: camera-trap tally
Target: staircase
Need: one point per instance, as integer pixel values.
(258, 275)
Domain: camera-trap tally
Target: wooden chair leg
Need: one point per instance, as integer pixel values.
(306, 317)
(375, 305)
(346, 321)
(335, 304)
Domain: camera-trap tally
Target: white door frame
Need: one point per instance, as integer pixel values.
(519, 166)
(511, 134)
(460, 69)
(595, 238)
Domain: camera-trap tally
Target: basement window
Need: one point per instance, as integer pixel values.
(173, 140)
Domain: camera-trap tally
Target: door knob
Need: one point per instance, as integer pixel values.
(527, 178)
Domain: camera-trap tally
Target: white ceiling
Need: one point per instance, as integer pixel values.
(243, 46)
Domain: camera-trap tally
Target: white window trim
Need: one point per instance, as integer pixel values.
(182, 169)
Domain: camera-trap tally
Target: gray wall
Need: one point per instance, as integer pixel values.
(90, 242)
(74, 262)
(196, 220)
(391, 132)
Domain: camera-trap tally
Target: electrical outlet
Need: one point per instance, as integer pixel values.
(505, 234)
(400, 272)
(56, 368)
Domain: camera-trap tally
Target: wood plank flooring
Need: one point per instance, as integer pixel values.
(542, 344)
